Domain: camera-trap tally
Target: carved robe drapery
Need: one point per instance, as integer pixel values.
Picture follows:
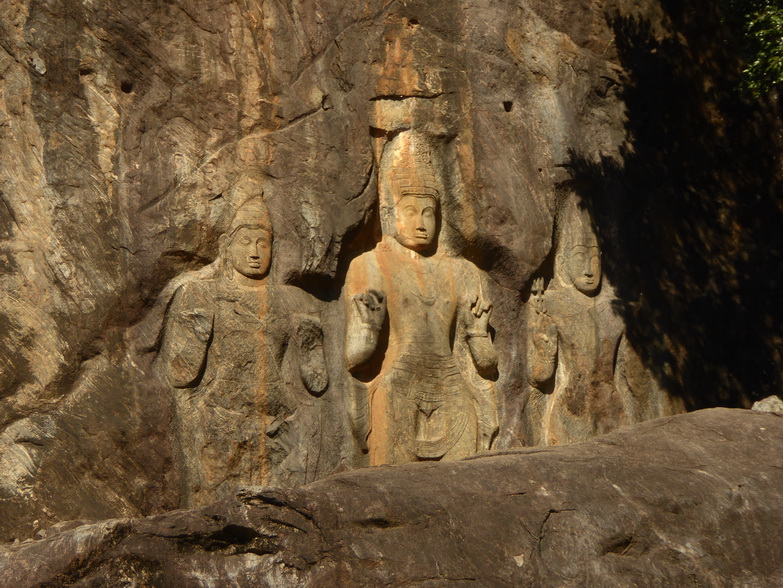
(588, 396)
(242, 410)
(427, 400)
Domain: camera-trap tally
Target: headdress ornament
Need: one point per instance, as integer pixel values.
(251, 213)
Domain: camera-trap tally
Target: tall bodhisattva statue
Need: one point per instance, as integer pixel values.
(245, 359)
(418, 341)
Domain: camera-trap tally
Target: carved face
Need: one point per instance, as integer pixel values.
(250, 252)
(415, 222)
(583, 268)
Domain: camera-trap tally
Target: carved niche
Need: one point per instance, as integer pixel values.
(585, 378)
(244, 359)
(417, 335)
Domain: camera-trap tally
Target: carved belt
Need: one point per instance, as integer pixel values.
(427, 378)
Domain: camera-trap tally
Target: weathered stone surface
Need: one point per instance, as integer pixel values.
(679, 501)
(129, 132)
(583, 373)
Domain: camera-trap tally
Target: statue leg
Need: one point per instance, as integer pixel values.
(379, 442)
(188, 444)
(468, 442)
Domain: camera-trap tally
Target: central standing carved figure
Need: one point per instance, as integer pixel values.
(417, 332)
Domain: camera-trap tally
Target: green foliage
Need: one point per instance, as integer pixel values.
(760, 24)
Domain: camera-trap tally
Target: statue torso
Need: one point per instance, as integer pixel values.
(422, 300)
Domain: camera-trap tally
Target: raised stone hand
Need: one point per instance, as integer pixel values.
(544, 328)
(184, 348)
(364, 326)
(309, 338)
(543, 334)
(480, 311)
(477, 334)
(371, 306)
(200, 322)
(545, 338)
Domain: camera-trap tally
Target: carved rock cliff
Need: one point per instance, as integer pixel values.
(130, 131)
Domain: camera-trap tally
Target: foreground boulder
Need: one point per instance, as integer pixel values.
(690, 500)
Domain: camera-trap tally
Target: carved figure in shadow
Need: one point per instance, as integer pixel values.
(245, 359)
(585, 378)
(417, 336)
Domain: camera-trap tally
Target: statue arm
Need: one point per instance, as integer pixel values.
(366, 308)
(485, 401)
(309, 337)
(476, 315)
(542, 350)
(359, 411)
(475, 311)
(187, 335)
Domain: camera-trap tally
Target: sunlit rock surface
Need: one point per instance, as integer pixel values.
(129, 134)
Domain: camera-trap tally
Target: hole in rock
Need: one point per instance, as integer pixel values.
(508, 105)
(126, 86)
(378, 522)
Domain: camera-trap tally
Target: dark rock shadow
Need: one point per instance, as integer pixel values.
(691, 215)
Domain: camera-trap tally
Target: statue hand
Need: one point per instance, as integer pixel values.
(309, 337)
(480, 311)
(200, 321)
(371, 306)
(545, 336)
(309, 334)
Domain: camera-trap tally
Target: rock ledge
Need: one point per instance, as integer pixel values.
(691, 500)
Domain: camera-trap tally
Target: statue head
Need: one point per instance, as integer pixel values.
(577, 253)
(246, 246)
(416, 217)
(408, 192)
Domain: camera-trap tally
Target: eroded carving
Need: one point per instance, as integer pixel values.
(417, 337)
(245, 358)
(585, 378)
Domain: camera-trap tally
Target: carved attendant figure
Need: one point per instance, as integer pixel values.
(575, 338)
(242, 356)
(417, 332)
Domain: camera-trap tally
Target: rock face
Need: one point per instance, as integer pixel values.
(679, 501)
(132, 131)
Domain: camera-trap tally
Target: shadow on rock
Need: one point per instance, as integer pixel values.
(690, 213)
